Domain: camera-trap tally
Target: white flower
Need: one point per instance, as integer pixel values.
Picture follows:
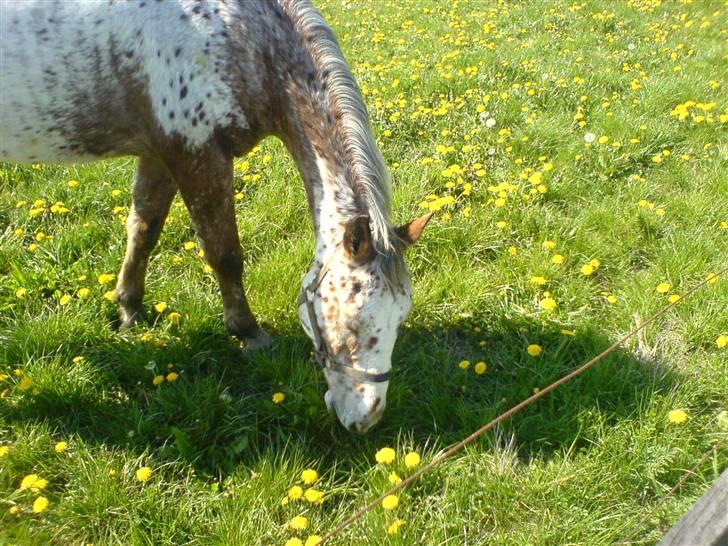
(590, 137)
(490, 123)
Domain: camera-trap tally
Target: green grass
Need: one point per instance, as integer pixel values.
(588, 464)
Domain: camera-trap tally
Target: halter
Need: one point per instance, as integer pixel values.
(321, 352)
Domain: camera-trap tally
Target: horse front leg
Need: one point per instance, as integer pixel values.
(153, 192)
(206, 187)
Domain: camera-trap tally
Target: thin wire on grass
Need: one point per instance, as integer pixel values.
(515, 409)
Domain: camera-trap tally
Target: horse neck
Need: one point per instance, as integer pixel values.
(316, 147)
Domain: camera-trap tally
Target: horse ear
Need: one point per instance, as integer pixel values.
(358, 240)
(411, 232)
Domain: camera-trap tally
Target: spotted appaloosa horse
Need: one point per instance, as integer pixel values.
(188, 85)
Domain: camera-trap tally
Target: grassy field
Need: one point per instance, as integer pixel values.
(577, 155)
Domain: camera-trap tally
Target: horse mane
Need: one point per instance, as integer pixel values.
(344, 98)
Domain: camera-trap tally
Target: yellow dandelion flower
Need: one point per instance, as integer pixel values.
(110, 295)
(160, 307)
(539, 281)
(106, 278)
(25, 384)
(295, 492)
(663, 287)
(394, 527)
(677, 416)
(611, 298)
(412, 459)
(60, 447)
(144, 473)
(83, 292)
(278, 397)
(673, 298)
(548, 304)
(174, 317)
(587, 269)
(72, 183)
(189, 245)
(712, 278)
(172, 376)
(722, 341)
(534, 350)
(386, 455)
(464, 364)
(293, 542)
(298, 523)
(309, 476)
(40, 504)
(33, 482)
(480, 368)
(313, 540)
(548, 245)
(65, 299)
(20, 293)
(314, 496)
(14, 510)
(394, 478)
(158, 380)
(4, 450)
(390, 502)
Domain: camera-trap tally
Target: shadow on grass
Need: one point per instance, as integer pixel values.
(219, 413)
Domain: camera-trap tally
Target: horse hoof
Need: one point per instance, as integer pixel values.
(128, 319)
(261, 340)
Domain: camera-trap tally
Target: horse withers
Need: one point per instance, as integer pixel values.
(187, 86)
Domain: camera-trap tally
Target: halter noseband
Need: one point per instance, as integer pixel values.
(321, 352)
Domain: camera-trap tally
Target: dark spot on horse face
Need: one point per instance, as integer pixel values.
(177, 51)
(181, 79)
(196, 10)
(171, 115)
(194, 122)
(372, 342)
(129, 54)
(164, 101)
(183, 92)
(376, 403)
(201, 115)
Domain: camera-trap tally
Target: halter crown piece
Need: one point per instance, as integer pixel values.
(321, 352)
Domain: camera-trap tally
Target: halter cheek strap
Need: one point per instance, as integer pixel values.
(323, 357)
